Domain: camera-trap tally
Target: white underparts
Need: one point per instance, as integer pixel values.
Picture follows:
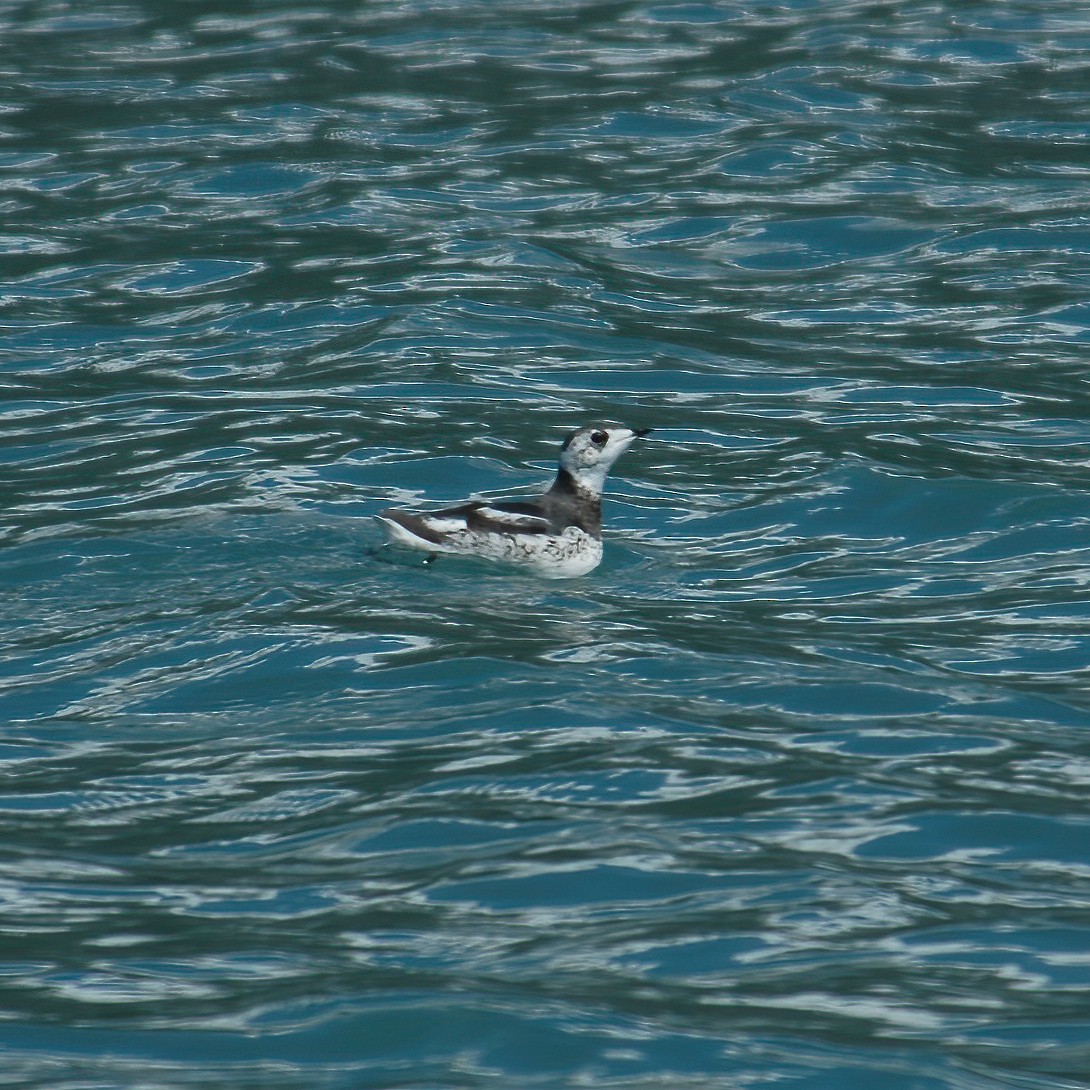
(554, 556)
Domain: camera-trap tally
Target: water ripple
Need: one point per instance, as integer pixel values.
(790, 790)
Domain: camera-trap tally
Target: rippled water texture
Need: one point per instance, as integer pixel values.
(791, 792)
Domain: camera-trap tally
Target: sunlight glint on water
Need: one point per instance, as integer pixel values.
(791, 791)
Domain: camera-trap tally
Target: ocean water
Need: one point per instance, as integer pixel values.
(790, 792)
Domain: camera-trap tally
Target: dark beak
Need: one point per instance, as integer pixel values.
(641, 432)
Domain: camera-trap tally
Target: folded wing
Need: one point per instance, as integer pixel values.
(509, 517)
(438, 527)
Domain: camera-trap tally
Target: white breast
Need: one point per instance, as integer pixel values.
(554, 556)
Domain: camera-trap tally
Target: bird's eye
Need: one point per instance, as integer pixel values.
(598, 438)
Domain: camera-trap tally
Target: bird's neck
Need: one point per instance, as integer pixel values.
(580, 503)
(566, 484)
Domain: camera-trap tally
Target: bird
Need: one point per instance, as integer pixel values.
(557, 536)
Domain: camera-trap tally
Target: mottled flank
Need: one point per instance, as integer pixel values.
(562, 554)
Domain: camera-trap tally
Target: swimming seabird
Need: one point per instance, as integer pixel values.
(558, 535)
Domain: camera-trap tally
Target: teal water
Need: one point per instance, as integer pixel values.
(791, 792)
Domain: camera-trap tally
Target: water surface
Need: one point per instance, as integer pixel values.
(791, 791)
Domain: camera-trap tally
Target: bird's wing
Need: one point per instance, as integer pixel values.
(507, 517)
(502, 517)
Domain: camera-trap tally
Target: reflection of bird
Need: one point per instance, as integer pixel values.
(558, 535)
